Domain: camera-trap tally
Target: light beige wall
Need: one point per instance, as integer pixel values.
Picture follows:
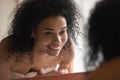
(6, 8)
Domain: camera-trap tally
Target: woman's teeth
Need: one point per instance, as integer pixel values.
(55, 48)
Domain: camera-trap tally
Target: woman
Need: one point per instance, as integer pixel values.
(41, 36)
(104, 37)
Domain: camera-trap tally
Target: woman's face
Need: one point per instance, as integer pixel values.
(50, 35)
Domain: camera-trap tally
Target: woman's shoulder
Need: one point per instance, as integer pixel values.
(4, 43)
(108, 71)
(5, 60)
(4, 52)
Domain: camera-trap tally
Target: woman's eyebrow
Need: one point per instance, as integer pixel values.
(48, 29)
(64, 28)
(54, 29)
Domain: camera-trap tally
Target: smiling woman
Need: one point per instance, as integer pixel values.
(42, 36)
(50, 35)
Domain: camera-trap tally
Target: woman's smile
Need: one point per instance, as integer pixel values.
(54, 50)
(51, 35)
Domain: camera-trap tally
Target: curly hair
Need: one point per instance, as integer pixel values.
(31, 12)
(104, 30)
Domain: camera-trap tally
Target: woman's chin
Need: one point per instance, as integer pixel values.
(53, 53)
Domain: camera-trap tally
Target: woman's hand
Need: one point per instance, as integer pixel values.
(66, 66)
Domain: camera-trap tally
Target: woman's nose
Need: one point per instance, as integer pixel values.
(57, 39)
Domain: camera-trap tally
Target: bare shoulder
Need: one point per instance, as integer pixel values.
(4, 62)
(3, 45)
(108, 71)
(4, 53)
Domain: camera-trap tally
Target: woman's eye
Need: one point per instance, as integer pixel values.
(48, 33)
(62, 32)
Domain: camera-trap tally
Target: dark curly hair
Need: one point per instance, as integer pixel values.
(104, 30)
(30, 13)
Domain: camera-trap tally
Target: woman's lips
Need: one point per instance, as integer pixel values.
(55, 48)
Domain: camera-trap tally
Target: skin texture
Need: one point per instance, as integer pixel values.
(50, 37)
